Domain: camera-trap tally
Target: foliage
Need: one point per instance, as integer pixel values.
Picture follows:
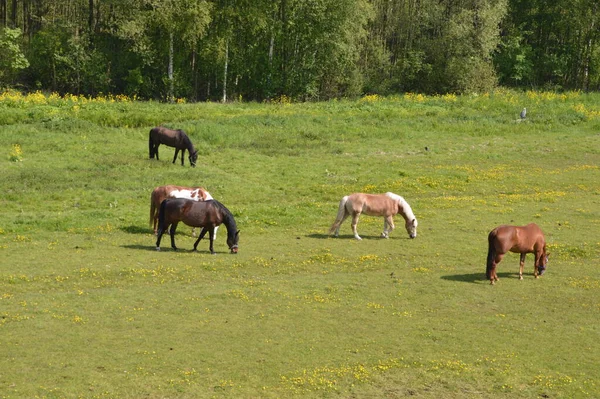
(12, 58)
(303, 49)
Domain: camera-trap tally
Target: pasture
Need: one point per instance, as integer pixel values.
(89, 308)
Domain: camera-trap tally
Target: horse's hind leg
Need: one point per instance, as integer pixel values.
(159, 236)
(337, 229)
(354, 224)
(494, 276)
(521, 265)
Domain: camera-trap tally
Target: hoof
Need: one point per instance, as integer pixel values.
(158, 248)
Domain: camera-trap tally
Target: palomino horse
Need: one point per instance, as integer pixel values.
(205, 214)
(161, 193)
(172, 138)
(386, 205)
(517, 239)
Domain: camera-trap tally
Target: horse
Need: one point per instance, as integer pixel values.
(172, 138)
(161, 193)
(386, 205)
(205, 214)
(518, 239)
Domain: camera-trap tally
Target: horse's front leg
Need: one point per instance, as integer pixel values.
(212, 239)
(354, 224)
(182, 156)
(176, 152)
(388, 222)
(156, 152)
(538, 260)
(521, 265)
(201, 236)
(172, 233)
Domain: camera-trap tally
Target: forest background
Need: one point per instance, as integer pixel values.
(296, 49)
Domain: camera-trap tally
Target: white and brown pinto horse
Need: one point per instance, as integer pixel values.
(161, 193)
(386, 205)
(518, 239)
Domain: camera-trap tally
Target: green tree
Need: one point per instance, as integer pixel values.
(12, 59)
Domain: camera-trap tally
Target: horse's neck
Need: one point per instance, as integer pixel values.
(229, 225)
(188, 143)
(406, 210)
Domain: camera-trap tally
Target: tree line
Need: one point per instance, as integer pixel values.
(300, 49)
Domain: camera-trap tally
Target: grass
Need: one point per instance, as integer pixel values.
(89, 309)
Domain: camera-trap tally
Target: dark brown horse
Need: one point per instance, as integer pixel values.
(518, 239)
(205, 214)
(172, 138)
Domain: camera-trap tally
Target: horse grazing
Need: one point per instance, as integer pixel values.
(517, 239)
(386, 205)
(205, 214)
(172, 138)
(161, 193)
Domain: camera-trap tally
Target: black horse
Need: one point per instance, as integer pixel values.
(205, 214)
(172, 138)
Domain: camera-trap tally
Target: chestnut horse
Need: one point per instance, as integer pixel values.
(386, 205)
(161, 193)
(518, 239)
(172, 138)
(205, 214)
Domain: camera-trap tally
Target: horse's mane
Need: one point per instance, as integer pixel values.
(407, 212)
(228, 219)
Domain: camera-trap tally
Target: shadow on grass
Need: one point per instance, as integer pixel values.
(351, 237)
(140, 247)
(136, 229)
(477, 277)
(180, 250)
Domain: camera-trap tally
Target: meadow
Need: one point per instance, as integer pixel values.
(89, 308)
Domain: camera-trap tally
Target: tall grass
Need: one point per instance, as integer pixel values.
(88, 308)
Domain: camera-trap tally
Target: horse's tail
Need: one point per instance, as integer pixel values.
(152, 211)
(161, 217)
(340, 215)
(150, 145)
(491, 254)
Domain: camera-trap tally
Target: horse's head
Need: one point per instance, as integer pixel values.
(411, 227)
(232, 242)
(193, 158)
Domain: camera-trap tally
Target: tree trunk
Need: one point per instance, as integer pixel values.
(3, 12)
(194, 73)
(171, 96)
(13, 16)
(224, 99)
(91, 17)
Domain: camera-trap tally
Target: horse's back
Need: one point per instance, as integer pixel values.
(163, 135)
(373, 204)
(519, 239)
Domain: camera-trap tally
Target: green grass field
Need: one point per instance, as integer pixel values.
(89, 308)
